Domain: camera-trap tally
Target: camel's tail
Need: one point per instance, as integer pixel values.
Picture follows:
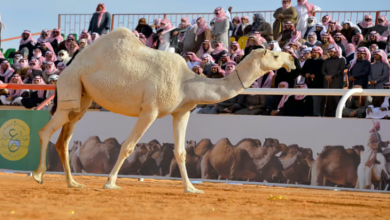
(54, 108)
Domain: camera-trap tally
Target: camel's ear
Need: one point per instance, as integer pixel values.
(265, 52)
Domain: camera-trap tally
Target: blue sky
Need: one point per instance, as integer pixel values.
(43, 14)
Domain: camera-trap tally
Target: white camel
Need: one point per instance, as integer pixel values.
(123, 76)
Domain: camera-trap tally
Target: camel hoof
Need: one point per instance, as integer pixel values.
(38, 177)
(194, 191)
(76, 185)
(111, 186)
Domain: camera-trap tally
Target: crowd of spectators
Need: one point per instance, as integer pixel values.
(327, 54)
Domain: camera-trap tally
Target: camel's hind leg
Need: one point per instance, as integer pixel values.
(145, 119)
(63, 142)
(180, 121)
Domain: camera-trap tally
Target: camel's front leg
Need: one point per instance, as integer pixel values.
(144, 121)
(180, 121)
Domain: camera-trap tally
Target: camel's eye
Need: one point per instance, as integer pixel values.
(276, 57)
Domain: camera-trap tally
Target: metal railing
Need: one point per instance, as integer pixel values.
(73, 23)
(345, 93)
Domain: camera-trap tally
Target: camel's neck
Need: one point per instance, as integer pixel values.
(210, 91)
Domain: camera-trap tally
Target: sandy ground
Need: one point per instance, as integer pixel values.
(22, 198)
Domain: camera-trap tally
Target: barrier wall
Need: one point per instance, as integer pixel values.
(19, 140)
(308, 151)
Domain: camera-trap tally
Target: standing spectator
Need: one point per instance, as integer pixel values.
(253, 104)
(360, 68)
(340, 40)
(312, 40)
(27, 44)
(373, 48)
(356, 105)
(314, 78)
(144, 28)
(382, 26)
(261, 26)
(349, 30)
(305, 10)
(5, 71)
(310, 27)
(203, 33)
(380, 70)
(333, 71)
(189, 41)
(100, 21)
(366, 25)
(243, 29)
(55, 39)
(164, 35)
(221, 27)
(282, 15)
(327, 41)
(349, 53)
(2, 25)
(283, 76)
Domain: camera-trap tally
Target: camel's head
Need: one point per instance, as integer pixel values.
(358, 149)
(191, 144)
(306, 153)
(270, 60)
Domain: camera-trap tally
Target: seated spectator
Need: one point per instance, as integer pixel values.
(206, 48)
(274, 101)
(252, 43)
(265, 81)
(52, 80)
(360, 68)
(218, 52)
(236, 22)
(43, 38)
(63, 56)
(285, 36)
(23, 68)
(274, 46)
(95, 36)
(358, 41)
(327, 41)
(260, 25)
(380, 70)
(379, 107)
(55, 39)
(6, 71)
(320, 29)
(27, 45)
(100, 21)
(14, 96)
(46, 47)
(16, 59)
(198, 70)
(382, 26)
(235, 52)
(349, 30)
(298, 105)
(349, 53)
(192, 60)
(142, 38)
(332, 28)
(253, 104)
(82, 45)
(366, 25)
(301, 49)
(340, 40)
(38, 56)
(207, 63)
(50, 69)
(312, 40)
(387, 51)
(203, 34)
(36, 96)
(311, 27)
(144, 28)
(242, 29)
(51, 57)
(33, 70)
(375, 38)
(325, 22)
(216, 72)
(231, 105)
(306, 54)
(230, 67)
(60, 67)
(283, 76)
(65, 45)
(294, 46)
(223, 61)
(296, 37)
(356, 105)
(3, 92)
(73, 50)
(85, 35)
(373, 48)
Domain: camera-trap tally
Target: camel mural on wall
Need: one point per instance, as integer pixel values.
(248, 160)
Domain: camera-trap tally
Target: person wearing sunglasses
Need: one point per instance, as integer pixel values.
(366, 25)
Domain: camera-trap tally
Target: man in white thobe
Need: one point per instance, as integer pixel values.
(305, 10)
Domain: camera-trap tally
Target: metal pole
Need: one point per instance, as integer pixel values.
(343, 100)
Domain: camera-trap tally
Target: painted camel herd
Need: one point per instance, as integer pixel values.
(248, 160)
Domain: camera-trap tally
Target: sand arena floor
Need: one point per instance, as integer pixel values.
(22, 198)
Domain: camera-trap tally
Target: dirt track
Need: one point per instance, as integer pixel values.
(22, 198)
